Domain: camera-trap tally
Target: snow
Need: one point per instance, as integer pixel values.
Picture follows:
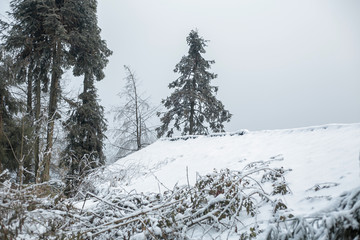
(320, 163)
(327, 156)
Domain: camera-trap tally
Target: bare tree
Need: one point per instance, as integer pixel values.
(133, 117)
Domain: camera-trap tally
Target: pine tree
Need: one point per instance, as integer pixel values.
(37, 32)
(14, 122)
(85, 128)
(193, 106)
(55, 29)
(27, 41)
(86, 125)
(8, 108)
(65, 33)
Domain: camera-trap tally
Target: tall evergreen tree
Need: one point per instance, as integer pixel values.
(14, 129)
(85, 135)
(8, 108)
(65, 32)
(86, 125)
(193, 106)
(56, 31)
(29, 45)
(38, 32)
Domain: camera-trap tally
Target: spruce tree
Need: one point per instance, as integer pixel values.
(86, 125)
(55, 30)
(60, 31)
(26, 40)
(38, 32)
(193, 108)
(85, 135)
(8, 109)
(14, 122)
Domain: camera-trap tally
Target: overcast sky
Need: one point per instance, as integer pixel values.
(280, 64)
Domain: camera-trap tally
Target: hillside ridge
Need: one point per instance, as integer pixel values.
(246, 131)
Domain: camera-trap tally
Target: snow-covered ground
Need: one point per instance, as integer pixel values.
(320, 164)
(324, 162)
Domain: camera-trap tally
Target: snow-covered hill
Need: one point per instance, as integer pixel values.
(324, 162)
(281, 184)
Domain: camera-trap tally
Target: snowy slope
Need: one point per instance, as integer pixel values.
(327, 156)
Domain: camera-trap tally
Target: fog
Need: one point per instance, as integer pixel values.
(280, 64)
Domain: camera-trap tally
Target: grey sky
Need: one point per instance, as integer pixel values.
(280, 64)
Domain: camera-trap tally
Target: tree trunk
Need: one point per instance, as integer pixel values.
(21, 157)
(29, 88)
(54, 91)
(27, 161)
(192, 105)
(37, 129)
(1, 125)
(87, 84)
(140, 133)
(193, 97)
(191, 120)
(137, 120)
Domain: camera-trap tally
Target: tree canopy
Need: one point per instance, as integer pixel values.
(193, 108)
(46, 38)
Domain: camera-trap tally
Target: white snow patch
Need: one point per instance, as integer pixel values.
(316, 155)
